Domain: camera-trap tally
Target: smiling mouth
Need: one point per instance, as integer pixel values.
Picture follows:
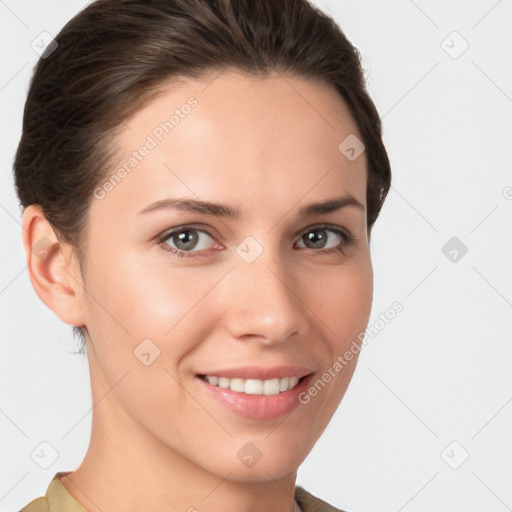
(254, 386)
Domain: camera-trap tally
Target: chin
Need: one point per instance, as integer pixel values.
(260, 473)
(260, 460)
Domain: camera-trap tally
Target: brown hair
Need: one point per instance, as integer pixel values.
(111, 58)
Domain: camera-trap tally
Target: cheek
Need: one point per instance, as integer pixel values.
(142, 322)
(177, 308)
(132, 299)
(342, 302)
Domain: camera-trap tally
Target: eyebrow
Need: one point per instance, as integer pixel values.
(223, 210)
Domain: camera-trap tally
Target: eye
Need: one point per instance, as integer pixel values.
(317, 237)
(185, 239)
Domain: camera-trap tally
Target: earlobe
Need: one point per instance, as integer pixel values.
(52, 267)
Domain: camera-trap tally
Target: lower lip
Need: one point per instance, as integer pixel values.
(261, 407)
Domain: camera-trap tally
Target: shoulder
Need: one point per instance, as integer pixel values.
(38, 505)
(310, 503)
(56, 498)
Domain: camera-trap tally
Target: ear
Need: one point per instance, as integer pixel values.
(53, 268)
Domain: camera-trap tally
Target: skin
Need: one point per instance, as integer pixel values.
(267, 145)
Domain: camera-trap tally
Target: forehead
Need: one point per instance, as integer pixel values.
(274, 137)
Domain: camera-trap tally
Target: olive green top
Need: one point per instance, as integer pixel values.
(59, 499)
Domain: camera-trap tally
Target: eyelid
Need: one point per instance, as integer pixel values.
(200, 227)
(335, 227)
(195, 227)
(345, 234)
(164, 235)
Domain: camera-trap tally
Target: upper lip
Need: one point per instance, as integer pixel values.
(260, 372)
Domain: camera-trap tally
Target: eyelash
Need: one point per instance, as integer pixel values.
(347, 240)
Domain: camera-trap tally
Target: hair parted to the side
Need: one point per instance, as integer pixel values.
(111, 58)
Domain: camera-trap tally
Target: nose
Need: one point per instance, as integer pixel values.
(265, 302)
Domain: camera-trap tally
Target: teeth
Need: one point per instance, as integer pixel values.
(223, 382)
(236, 384)
(213, 380)
(283, 383)
(254, 386)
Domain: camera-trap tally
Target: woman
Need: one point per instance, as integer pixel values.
(199, 182)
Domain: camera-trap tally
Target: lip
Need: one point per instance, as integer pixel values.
(261, 407)
(260, 372)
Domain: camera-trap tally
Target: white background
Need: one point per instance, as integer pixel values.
(439, 372)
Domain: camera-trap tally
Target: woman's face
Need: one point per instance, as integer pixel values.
(269, 293)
